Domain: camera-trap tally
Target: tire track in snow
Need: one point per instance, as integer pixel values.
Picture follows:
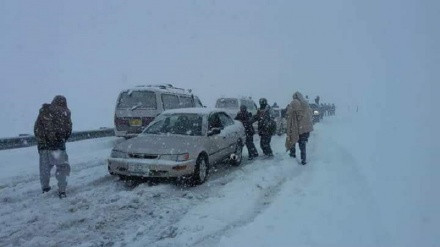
(267, 192)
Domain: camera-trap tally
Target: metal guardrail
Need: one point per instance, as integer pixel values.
(28, 141)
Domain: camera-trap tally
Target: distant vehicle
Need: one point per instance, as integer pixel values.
(180, 143)
(280, 121)
(137, 107)
(316, 115)
(232, 105)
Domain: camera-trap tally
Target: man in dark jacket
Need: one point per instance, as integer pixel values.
(264, 118)
(245, 117)
(52, 129)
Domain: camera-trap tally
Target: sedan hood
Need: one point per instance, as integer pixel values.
(160, 144)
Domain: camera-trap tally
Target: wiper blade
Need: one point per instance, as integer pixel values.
(136, 107)
(153, 132)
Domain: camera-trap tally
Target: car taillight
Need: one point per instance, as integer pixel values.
(120, 121)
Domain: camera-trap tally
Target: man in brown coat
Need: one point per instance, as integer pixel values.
(299, 125)
(52, 129)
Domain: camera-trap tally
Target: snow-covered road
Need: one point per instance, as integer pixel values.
(261, 203)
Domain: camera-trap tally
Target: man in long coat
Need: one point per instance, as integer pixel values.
(299, 125)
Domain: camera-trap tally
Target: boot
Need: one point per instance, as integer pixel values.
(62, 195)
(45, 190)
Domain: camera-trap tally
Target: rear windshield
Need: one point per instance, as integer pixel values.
(137, 99)
(227, 103)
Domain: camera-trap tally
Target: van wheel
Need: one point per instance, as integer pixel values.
(201, 170)
(238, 154)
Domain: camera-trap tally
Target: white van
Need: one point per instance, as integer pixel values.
(137, 107)
(232, 105)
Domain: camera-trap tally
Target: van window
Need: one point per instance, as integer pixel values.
(227, 103)
(186, 102)
(170, 101)
(139, 99)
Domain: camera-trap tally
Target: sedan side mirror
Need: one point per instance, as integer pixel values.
(214, 131)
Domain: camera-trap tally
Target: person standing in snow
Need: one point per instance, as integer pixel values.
(245, 118)
(265, 125)
(299, 126)
(52, 129)
(317, 100)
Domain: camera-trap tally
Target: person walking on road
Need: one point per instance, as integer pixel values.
(52, 129)
(299, 126)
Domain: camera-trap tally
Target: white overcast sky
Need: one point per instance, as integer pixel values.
(348, 52)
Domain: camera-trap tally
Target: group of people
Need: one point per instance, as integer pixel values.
(53, 128)
(328, 109)
(299, 126)
(265, 128)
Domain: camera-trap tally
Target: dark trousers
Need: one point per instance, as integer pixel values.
(302, 146)
(252, 150)
(265, 144)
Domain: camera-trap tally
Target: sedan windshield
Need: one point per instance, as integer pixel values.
(178, 124)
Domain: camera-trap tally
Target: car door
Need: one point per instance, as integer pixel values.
(216, 143)
(230, 133)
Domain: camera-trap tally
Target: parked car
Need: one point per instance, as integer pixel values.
(232, 105)
(316, 116)
(280, 121)
(180, 143)
(137, 107)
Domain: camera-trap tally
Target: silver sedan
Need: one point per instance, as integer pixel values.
(180, 143)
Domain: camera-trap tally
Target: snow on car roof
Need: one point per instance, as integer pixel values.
(203, 111)
(158, 88)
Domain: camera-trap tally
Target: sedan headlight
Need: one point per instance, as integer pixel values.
(118, 154)
(175, 157)
(316, 113)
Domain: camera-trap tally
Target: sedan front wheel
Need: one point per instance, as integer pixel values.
(201, 170)
(238, 155)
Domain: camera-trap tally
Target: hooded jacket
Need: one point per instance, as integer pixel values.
(53, 126)
(299, 119)
(244, 117)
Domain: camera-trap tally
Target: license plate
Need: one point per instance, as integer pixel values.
(138, 168)
(136, 122)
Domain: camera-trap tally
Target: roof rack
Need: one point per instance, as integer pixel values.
(164, 86)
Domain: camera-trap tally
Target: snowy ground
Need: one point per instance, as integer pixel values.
(261, 203)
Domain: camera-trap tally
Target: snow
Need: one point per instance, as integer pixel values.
(372, 177)
(267, 202)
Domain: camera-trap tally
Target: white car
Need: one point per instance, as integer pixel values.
(180, 143)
